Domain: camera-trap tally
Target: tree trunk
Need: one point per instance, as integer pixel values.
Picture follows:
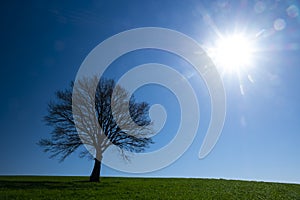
(95, 176)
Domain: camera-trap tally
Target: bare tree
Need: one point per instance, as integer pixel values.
(97, 125)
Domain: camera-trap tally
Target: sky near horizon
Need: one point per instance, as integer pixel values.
(45, 42)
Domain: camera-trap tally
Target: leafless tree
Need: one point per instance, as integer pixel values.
(97, 125)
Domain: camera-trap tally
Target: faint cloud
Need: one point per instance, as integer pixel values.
(60, 18)
(76, 16)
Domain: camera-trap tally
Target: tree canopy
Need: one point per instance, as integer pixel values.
(97, 125)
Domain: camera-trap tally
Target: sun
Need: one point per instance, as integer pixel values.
(232, 53)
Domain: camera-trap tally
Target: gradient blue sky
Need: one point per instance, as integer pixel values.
(43, 44)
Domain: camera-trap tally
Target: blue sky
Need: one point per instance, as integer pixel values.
(44, 44)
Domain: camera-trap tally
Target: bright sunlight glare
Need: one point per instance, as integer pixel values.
(233, 52)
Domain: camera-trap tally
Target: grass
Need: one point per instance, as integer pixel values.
(52, 187)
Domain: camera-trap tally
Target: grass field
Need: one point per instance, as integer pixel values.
(41, 187)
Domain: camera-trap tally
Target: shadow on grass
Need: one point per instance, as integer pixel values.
(57, 185)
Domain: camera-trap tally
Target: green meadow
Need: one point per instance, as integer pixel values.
(59, 187)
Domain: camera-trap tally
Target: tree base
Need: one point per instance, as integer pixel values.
(94, 179)
(95, 176)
